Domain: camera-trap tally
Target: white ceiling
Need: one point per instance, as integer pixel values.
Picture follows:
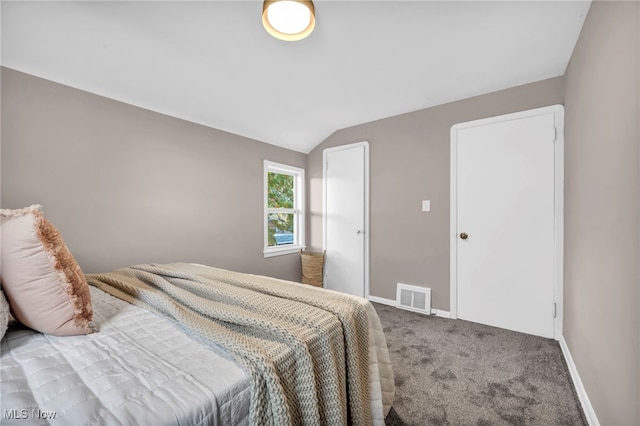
(212, 62)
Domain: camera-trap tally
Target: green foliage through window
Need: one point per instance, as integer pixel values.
(280, 191)
(280, 229)
(280, 196)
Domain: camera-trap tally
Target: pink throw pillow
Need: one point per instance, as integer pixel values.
(44, 284)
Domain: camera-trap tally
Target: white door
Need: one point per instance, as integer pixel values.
(346, 218)
(505, 240)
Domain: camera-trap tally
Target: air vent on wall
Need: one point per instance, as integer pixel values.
(413, 298)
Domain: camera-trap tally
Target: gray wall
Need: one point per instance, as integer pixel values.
(124, 185)
(602, 210)
(409, 162)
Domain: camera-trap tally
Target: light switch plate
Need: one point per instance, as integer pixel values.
(426, 205)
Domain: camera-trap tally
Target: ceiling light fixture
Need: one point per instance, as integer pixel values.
(288, 20)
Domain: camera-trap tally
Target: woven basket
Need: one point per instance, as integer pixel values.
(312, 266)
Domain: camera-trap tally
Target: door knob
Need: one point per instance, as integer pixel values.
(464, 235)
(358, 231)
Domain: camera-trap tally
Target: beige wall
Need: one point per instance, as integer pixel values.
(125, 185)
(602, 210)
(409, 162)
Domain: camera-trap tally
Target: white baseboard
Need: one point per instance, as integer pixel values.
(589, 412)
(440, 313)
(391, 302)
(382, 300)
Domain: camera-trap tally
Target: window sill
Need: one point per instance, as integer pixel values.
(280, 251)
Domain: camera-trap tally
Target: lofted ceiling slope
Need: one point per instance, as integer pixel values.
(212, 63)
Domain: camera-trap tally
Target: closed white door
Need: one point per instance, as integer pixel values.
(345, 218)
(505, 243)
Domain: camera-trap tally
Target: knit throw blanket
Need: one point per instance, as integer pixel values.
(305, 350)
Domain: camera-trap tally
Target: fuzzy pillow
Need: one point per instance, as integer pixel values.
(44, 284)
(4, 314)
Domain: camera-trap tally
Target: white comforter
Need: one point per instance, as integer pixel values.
(140, 369)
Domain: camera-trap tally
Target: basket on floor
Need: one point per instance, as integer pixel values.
(312, 268)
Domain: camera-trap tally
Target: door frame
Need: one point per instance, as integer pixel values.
(364, 144)
(558, 284)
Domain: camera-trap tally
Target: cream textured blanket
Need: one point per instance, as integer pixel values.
(306, 351)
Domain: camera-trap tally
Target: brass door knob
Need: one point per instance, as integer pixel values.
(464, 235)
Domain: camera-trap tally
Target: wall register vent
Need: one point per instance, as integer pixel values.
(413, 298)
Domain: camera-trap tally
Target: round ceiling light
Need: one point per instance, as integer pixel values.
(288, 20)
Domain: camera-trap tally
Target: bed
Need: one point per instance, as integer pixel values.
(148, 364)
(138, 369)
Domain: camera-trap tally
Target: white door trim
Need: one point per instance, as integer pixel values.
(558, 111)
(364, 144)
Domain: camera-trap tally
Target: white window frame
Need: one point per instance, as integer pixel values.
(297, 210)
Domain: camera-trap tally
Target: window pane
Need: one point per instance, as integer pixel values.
(280, 191)
(280, 229)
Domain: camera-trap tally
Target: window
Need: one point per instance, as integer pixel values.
(283, 209)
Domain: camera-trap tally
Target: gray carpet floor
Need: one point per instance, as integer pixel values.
(455, 372)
